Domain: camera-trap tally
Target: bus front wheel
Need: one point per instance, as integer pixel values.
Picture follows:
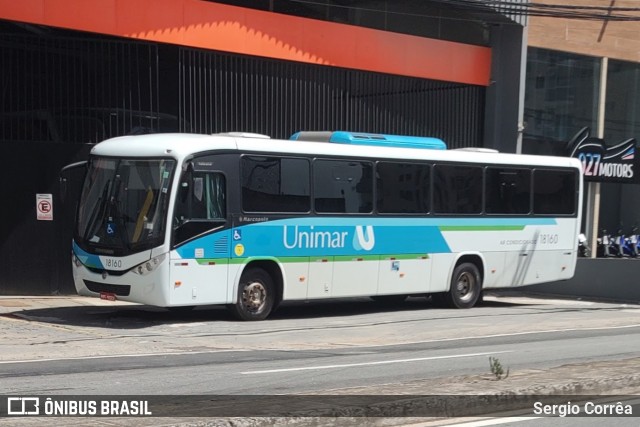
(256, 295)
(466, 286)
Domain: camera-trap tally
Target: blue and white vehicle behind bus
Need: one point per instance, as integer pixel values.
(180, 220)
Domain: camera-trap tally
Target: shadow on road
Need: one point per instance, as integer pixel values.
(143, 316)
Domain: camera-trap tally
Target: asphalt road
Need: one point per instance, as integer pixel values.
(262, 371)
(347, 347)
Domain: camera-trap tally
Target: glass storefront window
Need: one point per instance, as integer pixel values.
(561, 97)
(619, 204)
(622, 108)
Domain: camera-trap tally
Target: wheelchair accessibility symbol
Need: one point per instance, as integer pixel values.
(237, 235)
(111, 228)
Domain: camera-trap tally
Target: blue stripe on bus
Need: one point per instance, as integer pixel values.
(90, 260)
(318, 236)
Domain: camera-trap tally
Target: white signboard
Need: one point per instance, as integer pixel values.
(44, 207)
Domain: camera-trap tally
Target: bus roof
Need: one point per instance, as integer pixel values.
(182, 145)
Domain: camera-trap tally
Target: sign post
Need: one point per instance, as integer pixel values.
(44, 207)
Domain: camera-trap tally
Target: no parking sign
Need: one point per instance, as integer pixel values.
(44, 207)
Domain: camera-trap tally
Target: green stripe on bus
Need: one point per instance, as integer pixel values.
(330, 258)
(280, 259)
(481, 227)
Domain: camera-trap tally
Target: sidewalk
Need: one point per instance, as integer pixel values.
(610, 377)
(13, 304)
(594, 377)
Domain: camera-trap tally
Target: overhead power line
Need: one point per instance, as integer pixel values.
(512, 8)
(556, 10)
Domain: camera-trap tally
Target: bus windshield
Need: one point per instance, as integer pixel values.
(123, 205)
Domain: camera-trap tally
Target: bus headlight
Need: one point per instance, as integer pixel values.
(76, 261)
(148, 266)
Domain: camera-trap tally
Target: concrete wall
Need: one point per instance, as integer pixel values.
(601, 279)
(601, 38)
(503, 93)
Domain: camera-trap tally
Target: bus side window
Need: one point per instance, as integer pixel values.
(403, 188)
(343, 186)
(200, 204)
(508, 191)
(214, 197)
(272, 184)
(554, 192)
(201, 196)
(457, 189)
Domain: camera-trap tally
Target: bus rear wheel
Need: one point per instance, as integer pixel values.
(256, 295)
(466, 286)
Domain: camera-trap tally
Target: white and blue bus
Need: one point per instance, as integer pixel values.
(181, 220)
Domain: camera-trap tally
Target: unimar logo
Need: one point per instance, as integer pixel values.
(307, 237)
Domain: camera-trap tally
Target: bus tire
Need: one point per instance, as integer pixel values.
(256, 295)
(466, 286)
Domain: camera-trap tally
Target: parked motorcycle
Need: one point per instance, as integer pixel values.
(607, 246)
(634, 240)
(583, 248)
(625, 248)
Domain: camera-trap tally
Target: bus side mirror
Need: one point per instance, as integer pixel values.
(183, 192)
(65, 174)
(63, 188)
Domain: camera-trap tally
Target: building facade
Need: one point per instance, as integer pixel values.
(75, 72)
(583, 71)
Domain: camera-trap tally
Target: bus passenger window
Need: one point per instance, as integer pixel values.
(457, 189)
(402, 188)
(343, 186)
(508, 191)
(272, 184)
(554, 192)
